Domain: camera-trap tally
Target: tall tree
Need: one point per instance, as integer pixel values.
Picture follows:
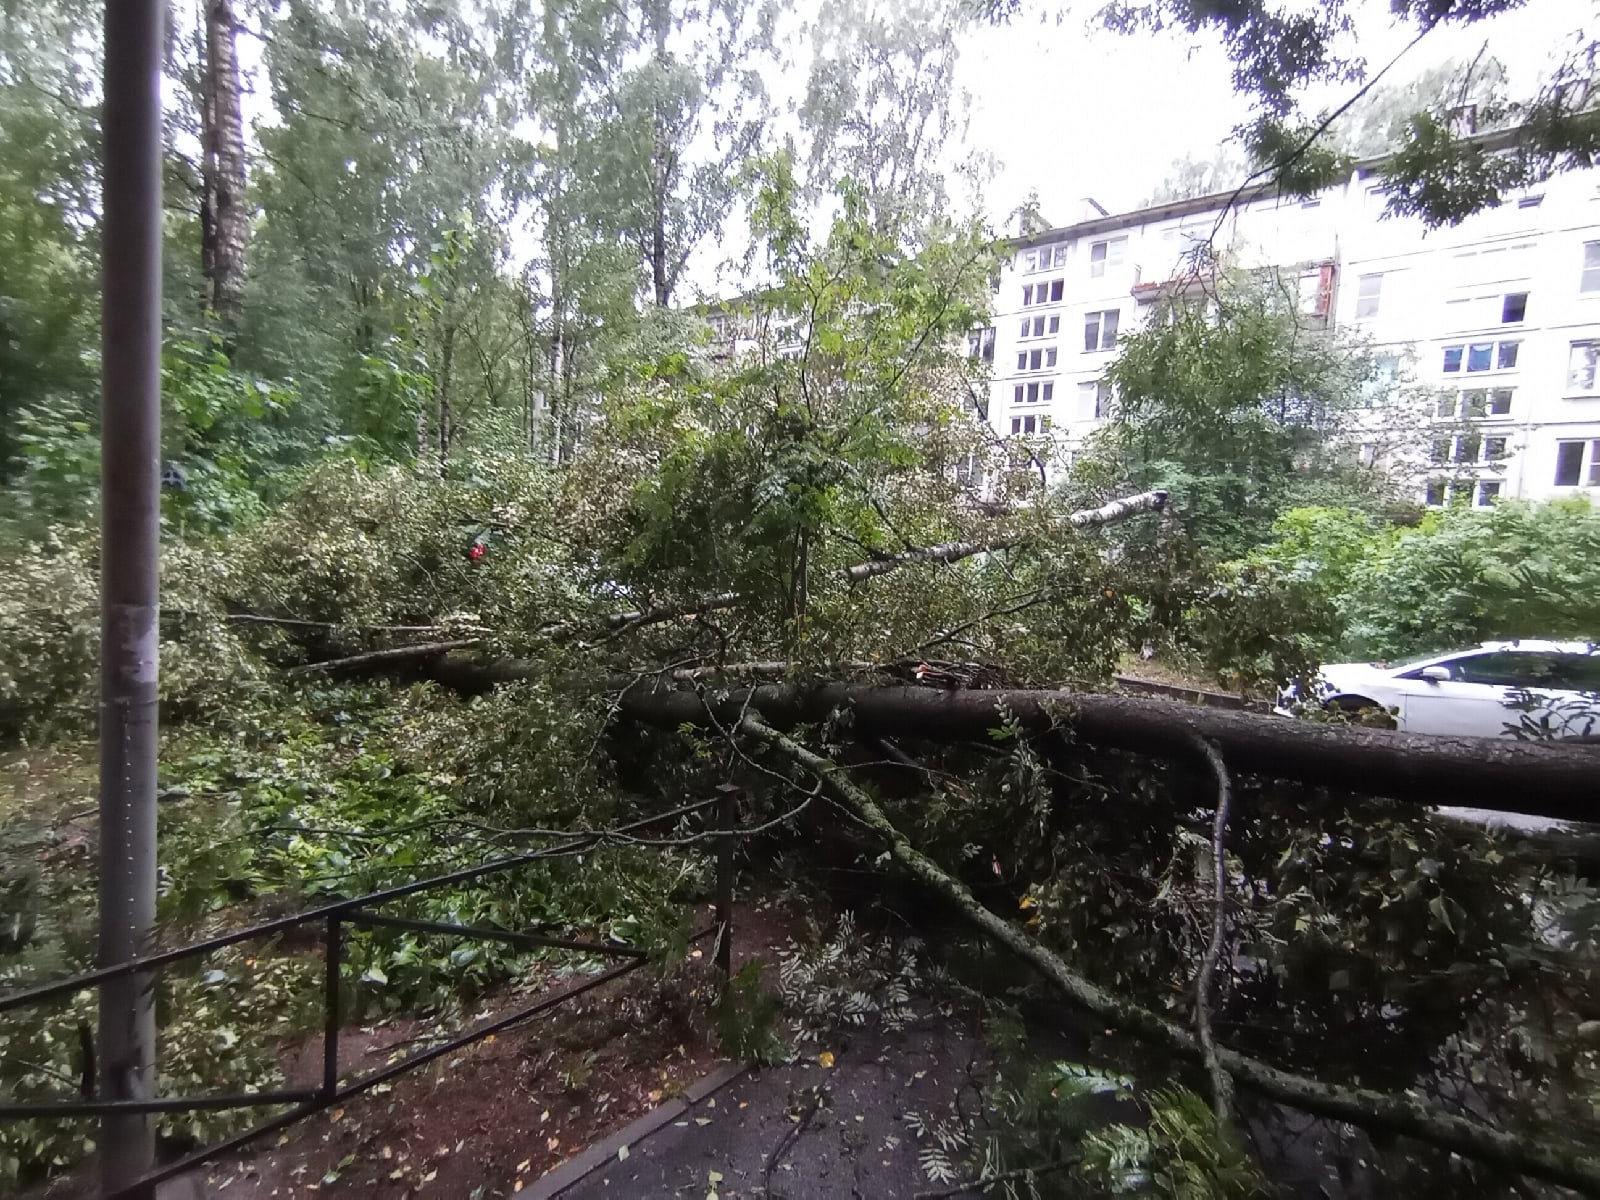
(1189, 177)
(386, 140)
(49, 196)
(224, 214)
(880, 104)
(684, 121)
(1378, 124)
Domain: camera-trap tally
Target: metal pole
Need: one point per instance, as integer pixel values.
(330, 1011)
(726, 816)
(130, 480)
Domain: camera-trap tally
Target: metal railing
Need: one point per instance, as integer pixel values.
(335, 917)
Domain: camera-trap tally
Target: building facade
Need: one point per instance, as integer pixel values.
(1498, 319)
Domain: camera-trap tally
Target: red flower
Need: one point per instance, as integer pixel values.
(476, 551)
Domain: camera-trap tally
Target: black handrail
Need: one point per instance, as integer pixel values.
(355, 910)
(133, 966)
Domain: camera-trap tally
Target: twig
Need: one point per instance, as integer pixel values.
(790, 1136)
(1026, 601)
(988, 1181)
(392, 654)
(1310, 140)
(301, 623)
(1221, 1081)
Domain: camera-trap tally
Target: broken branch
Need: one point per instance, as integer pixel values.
(1221, 1082)
(1384, 1112)
(949, 552)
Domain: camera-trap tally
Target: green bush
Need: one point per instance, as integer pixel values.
(50, 635)
(1335, 584)
(1518, 569)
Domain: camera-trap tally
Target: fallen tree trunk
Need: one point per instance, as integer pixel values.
(381, 658)
(1377, 1111)
(1497, 774)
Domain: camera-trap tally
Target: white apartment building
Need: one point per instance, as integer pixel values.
(1500, 314)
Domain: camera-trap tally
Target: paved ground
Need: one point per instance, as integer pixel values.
(854, 1143)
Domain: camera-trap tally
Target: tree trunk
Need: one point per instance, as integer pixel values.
(224, 217)
(661, 165)
(443, 393)
(1490, 773)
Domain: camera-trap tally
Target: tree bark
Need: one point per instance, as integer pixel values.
(1490, 773)
(1378, 1111)
(224, 217)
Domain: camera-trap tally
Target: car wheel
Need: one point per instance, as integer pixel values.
(1351, 704)
(1363, 711)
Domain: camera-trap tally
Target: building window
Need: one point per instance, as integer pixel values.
(1435, 496)
(1369, 454)
(1469, 448)
(1049, 392)
(1385, 370)
(1590, 281)
(1475, 403)
(1035, 360)
(1368, 290)
(1531, 201)
(1043, 259)
(1488, 489)
(1105, 255)
(1482, 356)
(1581, 366)
(1094, 400)
(1047, 292)
(1017, 393)
(1025, 425)
(1039, 326)
(1570, 464)
(1514, 308)
(980, 343)
(1100, 330)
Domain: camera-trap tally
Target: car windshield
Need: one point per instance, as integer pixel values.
(1415, 660)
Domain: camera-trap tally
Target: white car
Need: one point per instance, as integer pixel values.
(1471, 692)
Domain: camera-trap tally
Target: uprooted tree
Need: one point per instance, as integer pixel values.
(816, 570)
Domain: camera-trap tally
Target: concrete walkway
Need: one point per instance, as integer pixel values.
(799, 1131)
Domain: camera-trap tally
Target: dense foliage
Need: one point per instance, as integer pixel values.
(427, 518)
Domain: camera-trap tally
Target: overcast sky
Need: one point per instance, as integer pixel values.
(1072, 112)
